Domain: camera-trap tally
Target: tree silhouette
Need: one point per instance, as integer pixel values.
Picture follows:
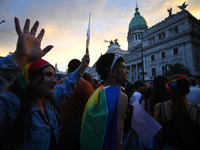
(177, 69)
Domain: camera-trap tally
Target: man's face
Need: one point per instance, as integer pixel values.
(121, 73)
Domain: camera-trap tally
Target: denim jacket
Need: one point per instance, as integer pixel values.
(40, 132)
(9, 71)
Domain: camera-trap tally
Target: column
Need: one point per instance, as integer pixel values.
(136, 72)
(167, 33)
(144, 65)
(168, 52)
(156, 38)
(183, 53)
(144, 62)
(157, 64)
(130, 74)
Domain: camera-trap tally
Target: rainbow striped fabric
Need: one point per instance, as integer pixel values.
(100, 120)
(23, 80)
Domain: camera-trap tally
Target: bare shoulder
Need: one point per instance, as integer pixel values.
(157, 110)
(164, 111)
(193, 112)
(122, 95)
(123, 99)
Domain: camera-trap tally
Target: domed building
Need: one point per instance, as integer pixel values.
(173, 40)
(133, 60)
(136, 27)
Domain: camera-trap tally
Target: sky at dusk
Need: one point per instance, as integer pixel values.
(66, 22)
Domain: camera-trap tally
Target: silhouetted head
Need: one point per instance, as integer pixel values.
(73, 65)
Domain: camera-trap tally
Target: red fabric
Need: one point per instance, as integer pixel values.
(37, 64)
(75, 103)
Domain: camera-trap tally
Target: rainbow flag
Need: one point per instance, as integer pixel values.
(100, 120)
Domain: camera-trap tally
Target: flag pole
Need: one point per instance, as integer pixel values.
(88, 36)
(103, 46)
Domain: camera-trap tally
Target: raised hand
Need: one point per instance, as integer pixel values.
(28, 46)
(84, 63)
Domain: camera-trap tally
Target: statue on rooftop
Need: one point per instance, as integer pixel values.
(170, 11)
(116, 41)
(183, 6)
(111, 42)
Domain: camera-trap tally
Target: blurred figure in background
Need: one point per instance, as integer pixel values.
(137, 95)
(194, 95)
(96, 84)
(160, 94)
(71, 111)
(146, 96)
(88, 77)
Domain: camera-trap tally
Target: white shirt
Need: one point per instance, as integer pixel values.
(136, 97)
(194, 95)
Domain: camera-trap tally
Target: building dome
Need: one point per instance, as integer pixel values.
(137, 21)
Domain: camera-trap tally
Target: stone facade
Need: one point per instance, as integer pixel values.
(176, 39)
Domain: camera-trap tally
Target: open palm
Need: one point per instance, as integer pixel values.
(28, 46)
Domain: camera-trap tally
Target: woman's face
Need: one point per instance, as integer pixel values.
(46, 87)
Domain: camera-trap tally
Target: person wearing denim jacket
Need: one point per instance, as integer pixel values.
(40, 131)
(44, 126)
(9, 71)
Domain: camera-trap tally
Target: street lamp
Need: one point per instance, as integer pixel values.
(2, 21)
(142, 63)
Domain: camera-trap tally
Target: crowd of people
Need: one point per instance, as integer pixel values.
(80, 112)
(168, 101)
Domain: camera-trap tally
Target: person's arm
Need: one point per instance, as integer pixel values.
(195, 112)
(9, 110)
(28, 49)
(9, 71)
(65, 90)
(123, 101)
(159, 135)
